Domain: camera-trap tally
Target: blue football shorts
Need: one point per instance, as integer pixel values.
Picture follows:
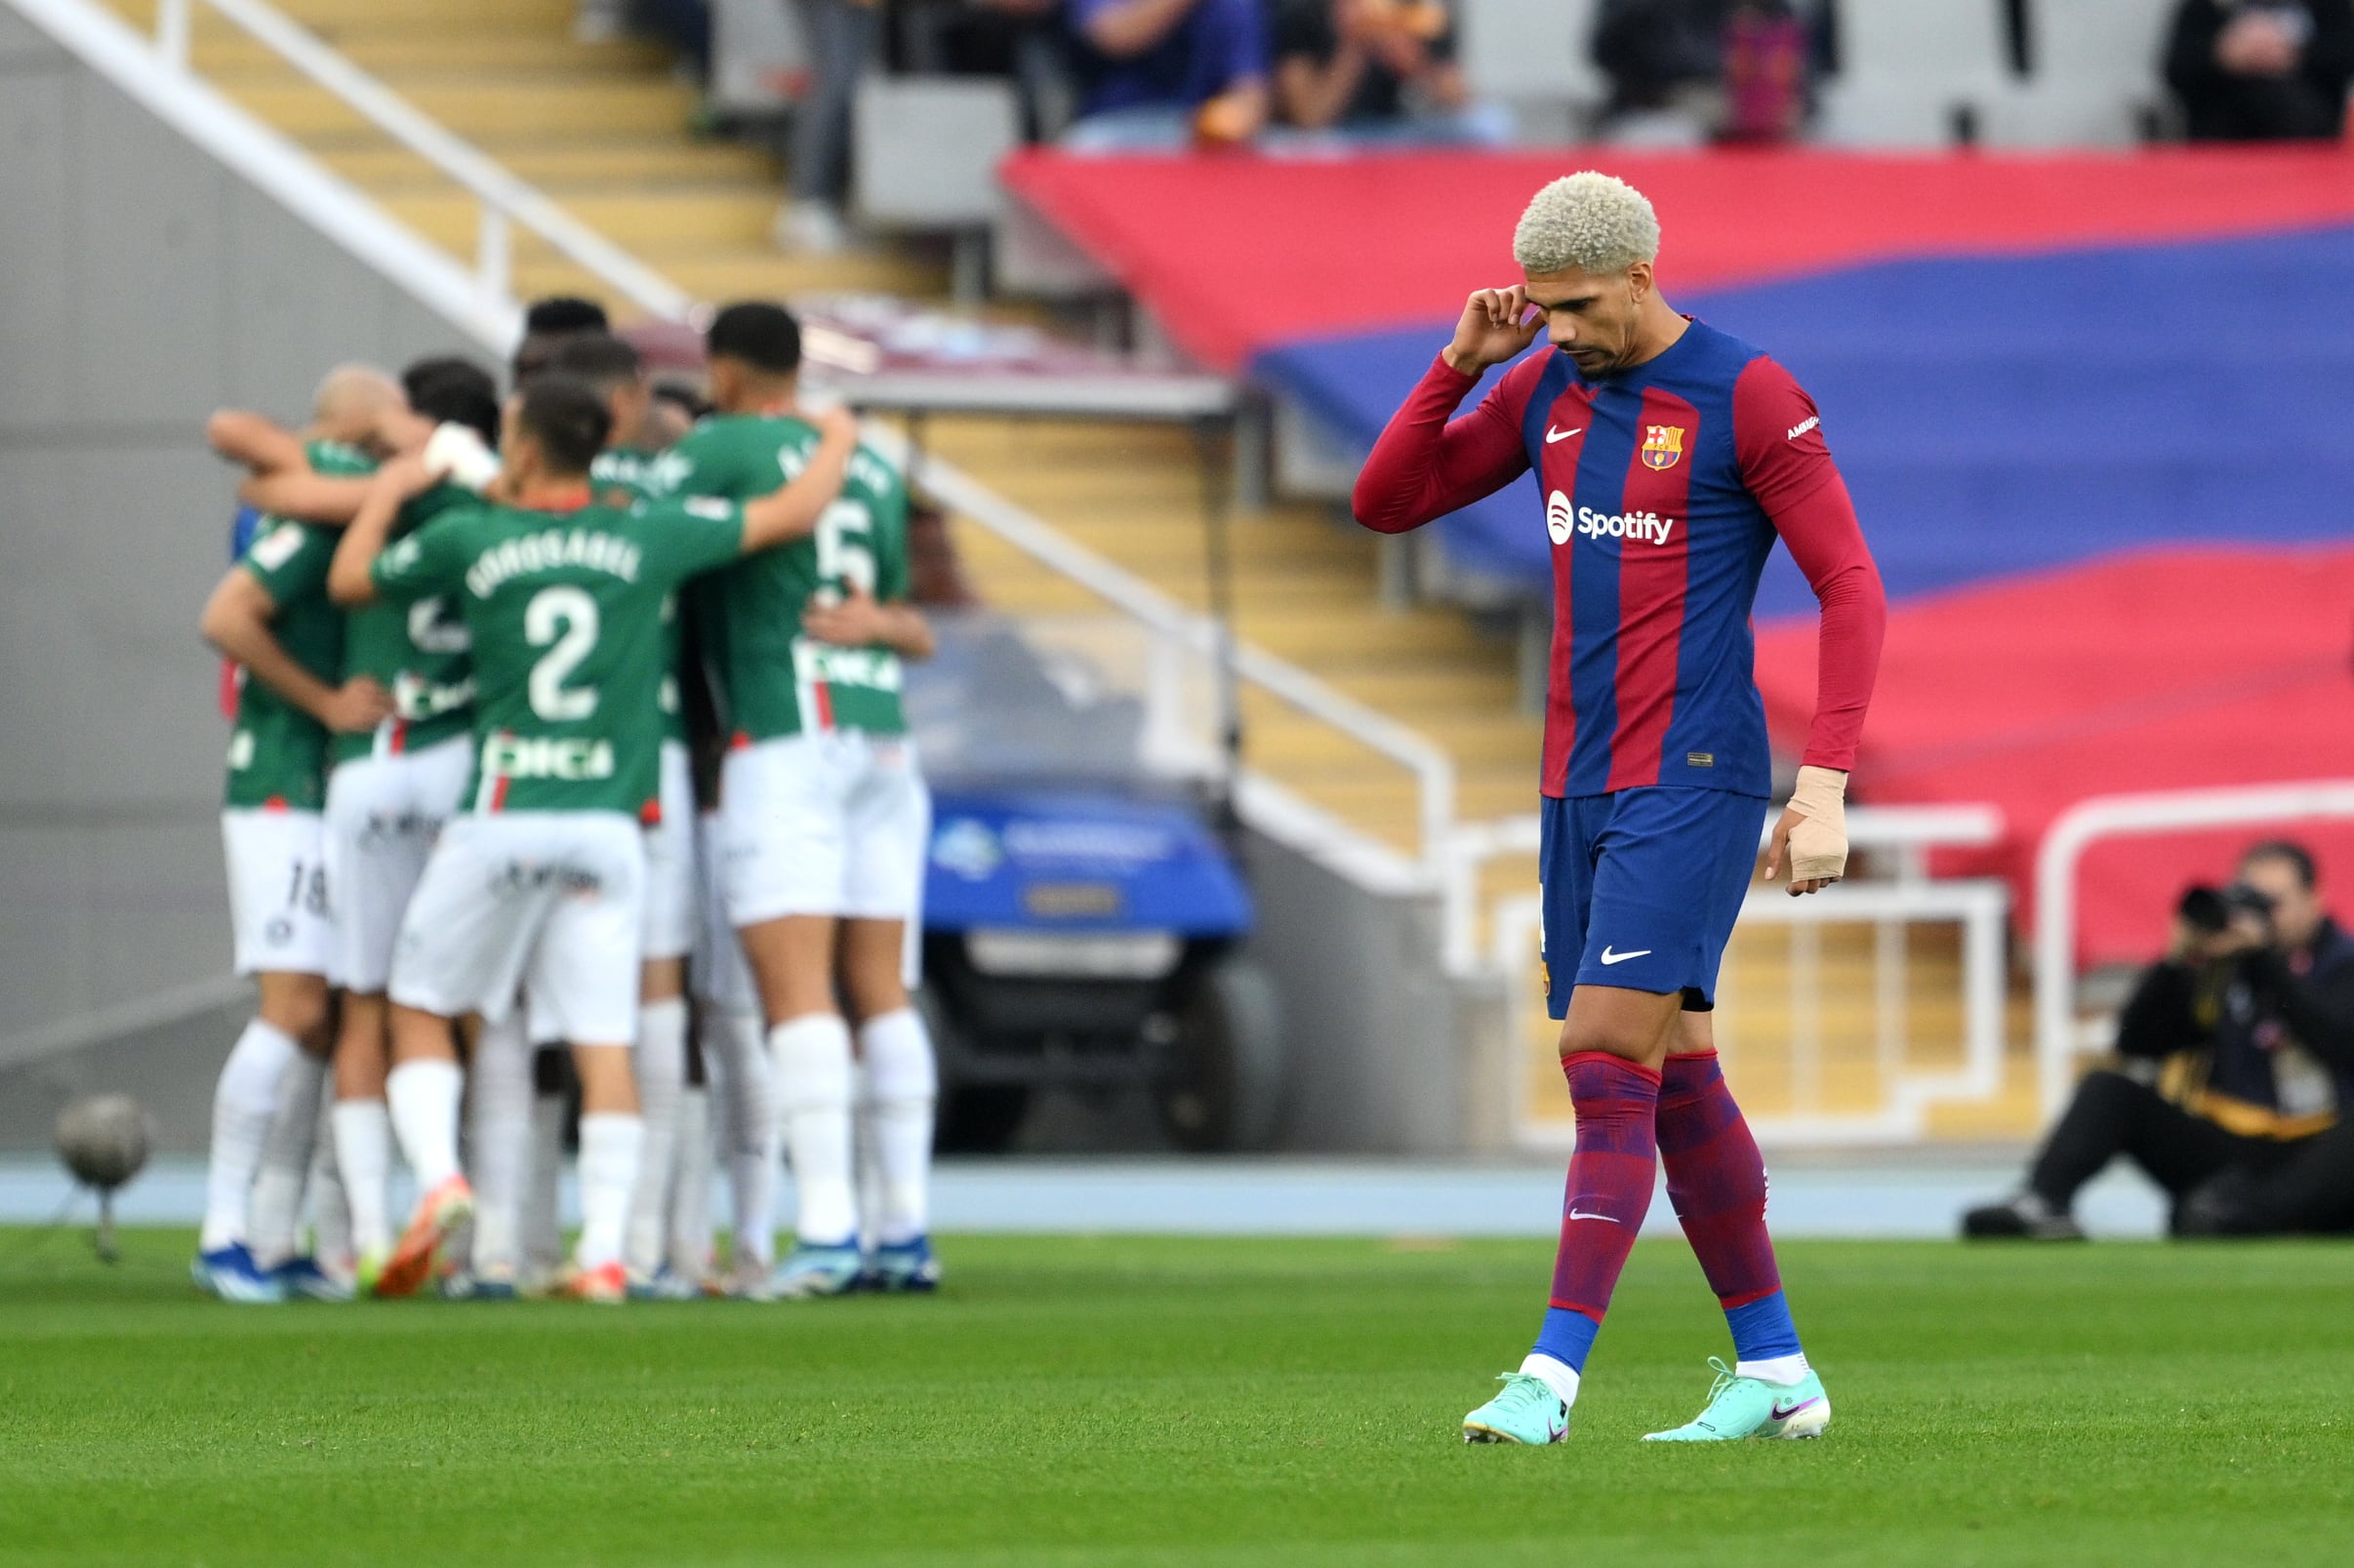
(1641, 889)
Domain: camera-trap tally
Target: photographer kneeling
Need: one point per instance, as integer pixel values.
(2236, 1059)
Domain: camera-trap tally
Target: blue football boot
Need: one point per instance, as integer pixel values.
(230, 1273)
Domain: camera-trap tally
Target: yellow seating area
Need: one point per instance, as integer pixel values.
(602, 128)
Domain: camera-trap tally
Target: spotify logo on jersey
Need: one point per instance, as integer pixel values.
(1561, 518)
(1563, 521)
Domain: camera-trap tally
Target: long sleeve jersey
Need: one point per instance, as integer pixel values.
(1665, 487)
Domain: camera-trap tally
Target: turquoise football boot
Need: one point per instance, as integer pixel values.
(903, 1267)
(1527, 1411)
(808, 1273)
(1741, 1407)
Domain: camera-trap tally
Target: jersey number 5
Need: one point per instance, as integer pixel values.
(845, 552)
(565, 617)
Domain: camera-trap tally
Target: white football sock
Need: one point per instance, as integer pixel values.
(660, 1064)
(1556, 1374)
(499, 1127)
(275, 1207)
(364, 1153)
(609, 1150)
(330, 1209)
(812, 1058)
(1773, 1368)
(690, 1251)
(902, 1081)
(242, 1103)
(744, 1090)
(423, 1097)
(542, 1187)
(867, 1165)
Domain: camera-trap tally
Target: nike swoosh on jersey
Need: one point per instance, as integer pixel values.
(1551, 435)
(1609, 957)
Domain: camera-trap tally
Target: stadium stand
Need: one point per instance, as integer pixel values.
(602, 127)
(1893, 302)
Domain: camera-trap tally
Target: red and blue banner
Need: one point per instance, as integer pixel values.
(2097, 412)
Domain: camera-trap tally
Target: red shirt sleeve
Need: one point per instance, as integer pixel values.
(1778, 436)
(1425, 466)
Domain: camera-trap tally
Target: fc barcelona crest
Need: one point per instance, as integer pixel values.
(1662, 445)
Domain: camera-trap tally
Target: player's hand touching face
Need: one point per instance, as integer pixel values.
(1496, 325)
(1591, 318)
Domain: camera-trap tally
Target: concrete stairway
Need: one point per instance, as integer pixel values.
(602, 128)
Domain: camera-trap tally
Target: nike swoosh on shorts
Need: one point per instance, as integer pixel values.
(1609, 957)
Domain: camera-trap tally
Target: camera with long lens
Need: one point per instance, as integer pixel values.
(2209, 910)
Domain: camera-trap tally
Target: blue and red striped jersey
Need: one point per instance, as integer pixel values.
(1665, 487)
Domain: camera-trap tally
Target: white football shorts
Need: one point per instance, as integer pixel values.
(672, 911)
(552, 901)
(833, 822)
(383, 816)
(278, 886)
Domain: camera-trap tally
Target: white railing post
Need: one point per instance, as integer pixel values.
(494, 250)
(1985, 986)
(173, 28)
(2075, 830)
(490, 182)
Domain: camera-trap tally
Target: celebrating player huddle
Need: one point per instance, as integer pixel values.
(462, 823)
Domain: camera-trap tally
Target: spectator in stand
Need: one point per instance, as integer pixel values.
(1160, 74)
(1378, 71)
(1662, 59)
(1684, 72)
(2234, 1074)
(2262, 70)
(1765, 53)
(843, 37)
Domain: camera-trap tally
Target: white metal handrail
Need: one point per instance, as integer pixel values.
(2084, 824)
(1980, 906)
(1432, 769)
(505, 201)
(1909, 832)
(505, 196)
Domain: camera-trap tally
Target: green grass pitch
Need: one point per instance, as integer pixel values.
(1154, 1402)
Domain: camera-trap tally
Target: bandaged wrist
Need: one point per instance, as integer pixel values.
(1819, 845)
(1822, 795)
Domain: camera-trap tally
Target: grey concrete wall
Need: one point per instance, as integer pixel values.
(142, 285)
(1377, 1060)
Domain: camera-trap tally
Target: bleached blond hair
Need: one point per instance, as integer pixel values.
(353, 389)
(1589, 220)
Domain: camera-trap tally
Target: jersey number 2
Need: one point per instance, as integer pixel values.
(565, 617)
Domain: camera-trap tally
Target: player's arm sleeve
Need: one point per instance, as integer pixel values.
(1426, 464)
(698, 533)
(2318, 1010)
(1787, 466)
(692, 467)
(289, 561)
(2160, 1019)
(419, 564)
